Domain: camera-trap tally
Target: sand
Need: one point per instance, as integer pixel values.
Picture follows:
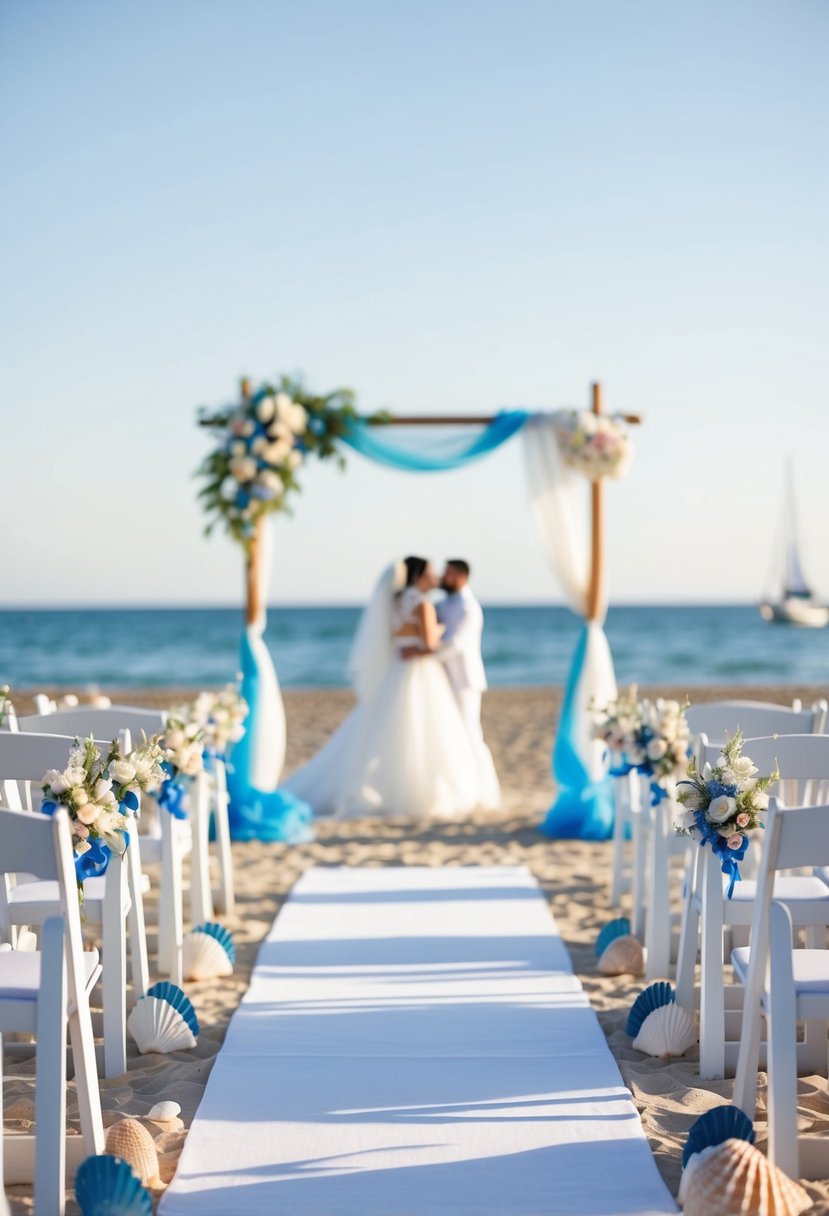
(573, 875)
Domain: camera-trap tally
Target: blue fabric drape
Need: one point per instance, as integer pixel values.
(584, 808)
(259, 814)
(431, 453)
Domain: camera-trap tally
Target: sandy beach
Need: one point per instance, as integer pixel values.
(573, 875)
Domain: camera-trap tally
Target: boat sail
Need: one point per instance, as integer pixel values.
(797, 604)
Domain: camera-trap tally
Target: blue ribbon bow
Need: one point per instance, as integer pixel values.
(173, 794)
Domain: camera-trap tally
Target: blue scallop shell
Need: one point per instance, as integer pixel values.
(660, 993)
(106, 1186)
(173, 995)
(612, 930)
(222, 935)
(714, 1127)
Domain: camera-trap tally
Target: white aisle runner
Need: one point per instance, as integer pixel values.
(414, 1043)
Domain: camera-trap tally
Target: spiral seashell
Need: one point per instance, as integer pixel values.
(163, 1020)
(106, 1186)
(660, 993)
(624, 956)
(735, 1179)
(131, 1141)
(163, 1112)
(205, 956)
(667, 1031)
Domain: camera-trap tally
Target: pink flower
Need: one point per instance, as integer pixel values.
(734, 841)
(80, 830)
(742, 820)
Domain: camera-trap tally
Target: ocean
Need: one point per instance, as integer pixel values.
(523, 645)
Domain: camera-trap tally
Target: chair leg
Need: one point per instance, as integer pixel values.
(50, 1083)
(226, 900)
(201, 901)
(170, 905)
(620, 820)
(782, 1046)
(712, 994)
(136, 928)
(4, 1207)
(688, 941)
(86, 1076)
(114, 974)
(639, 834)
(658, 915)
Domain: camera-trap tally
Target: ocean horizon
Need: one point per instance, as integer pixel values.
(525, 645)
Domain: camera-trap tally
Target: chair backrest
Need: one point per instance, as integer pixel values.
(101, 723)
(720, 719)
(25, 758)
(803, 762)
(42, 845)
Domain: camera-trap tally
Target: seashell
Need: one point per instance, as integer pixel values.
(624, 956)
(222, 935)
(106, 1186)
(667, 1031)
(735, 1179)
(660, 993)
(131, 1141)
(163, 1112)
(613, 929)
(717, 1125)
(205, 956)
(163, 1020)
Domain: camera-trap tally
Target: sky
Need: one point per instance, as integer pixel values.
(447, 205)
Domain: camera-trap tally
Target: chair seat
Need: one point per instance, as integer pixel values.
(810, 969)
(30, 903)
(20, 973)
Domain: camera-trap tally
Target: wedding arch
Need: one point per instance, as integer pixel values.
(264, 440)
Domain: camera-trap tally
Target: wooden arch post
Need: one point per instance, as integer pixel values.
(254, 590)
(595, 586)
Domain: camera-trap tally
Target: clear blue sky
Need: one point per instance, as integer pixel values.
(447, 205)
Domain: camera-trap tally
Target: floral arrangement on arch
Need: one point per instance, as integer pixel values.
(597, 445)
(264, 441)
(101, 795)
(649, 737)
(723, 803)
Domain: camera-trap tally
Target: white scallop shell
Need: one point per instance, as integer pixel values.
(157, 1027)
(624, 956)
(735, 1179)
(667, 1031)
(204, 958)
(163, 1112)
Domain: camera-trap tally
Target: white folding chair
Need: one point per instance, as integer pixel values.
(25, 758)
(43, 993)
(786, 986)
(167, 841)
(804, 762)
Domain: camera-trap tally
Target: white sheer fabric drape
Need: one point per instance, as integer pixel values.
(269, 732)
(558, 496)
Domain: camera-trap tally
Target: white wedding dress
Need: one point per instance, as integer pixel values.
(404, 751)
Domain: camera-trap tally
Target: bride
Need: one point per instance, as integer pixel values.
(404, 751)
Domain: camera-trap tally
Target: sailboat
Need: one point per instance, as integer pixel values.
(797, 604)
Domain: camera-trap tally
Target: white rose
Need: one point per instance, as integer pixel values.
(761, 800)
(295, 459)
(277, 452)
(743, 768)
(77, 797)
(55, 781)
(299, 420)
(284, 408)
(259, 444)
(89, 813)
(728, 776)
(271, 481)
(266, 409)
(657, 749)
(122, 771)
(175, 738)
(238, 449)
(74, 776)
(721, 809)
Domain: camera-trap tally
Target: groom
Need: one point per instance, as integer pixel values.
(463, 620)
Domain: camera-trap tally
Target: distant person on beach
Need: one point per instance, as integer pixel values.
(412, 748)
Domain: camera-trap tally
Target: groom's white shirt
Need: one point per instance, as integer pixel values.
(460, 650)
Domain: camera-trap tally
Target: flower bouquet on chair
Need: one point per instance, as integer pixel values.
(101, 796)
(723, 803)
(222, 717)
(647, 737)
(183, 747)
